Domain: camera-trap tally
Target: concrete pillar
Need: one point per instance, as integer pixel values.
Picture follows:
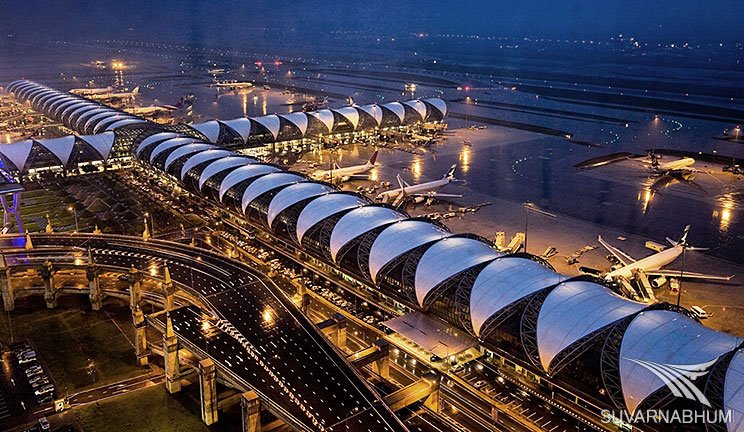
(140, 336)
(251, 408)
(50, 289)
(135, 289)
(208, 390)
(169, 289)
(172, 363)
(382, 366)
(6, 285)
(305, 303)
(94, 284)
(433, 401)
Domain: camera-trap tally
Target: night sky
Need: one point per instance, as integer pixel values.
(694, 21)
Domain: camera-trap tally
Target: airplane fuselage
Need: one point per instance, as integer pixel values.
(341, 173)
(675, 165)
(650, 263)
(416, 189)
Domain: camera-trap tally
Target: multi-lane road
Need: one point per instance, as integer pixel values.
(310, 380)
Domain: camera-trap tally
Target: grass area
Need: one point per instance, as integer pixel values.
(148, 410)
(81, 348)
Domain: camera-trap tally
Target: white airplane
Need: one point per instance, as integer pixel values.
(91, 91)
(419, 192)
(232, 85)
(338, 174)
(151, 110)
(679, 167)
(117, 95)
(653, 265)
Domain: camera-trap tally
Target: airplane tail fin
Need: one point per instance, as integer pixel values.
(401, 183)
(683, 239)
(373, 159)
(135, 91)
(451, 173)
(654, 159)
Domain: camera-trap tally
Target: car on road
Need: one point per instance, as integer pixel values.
(479, 384)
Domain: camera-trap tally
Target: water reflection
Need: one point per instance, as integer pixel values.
(465, 159)
(726, 212)
(416, 167)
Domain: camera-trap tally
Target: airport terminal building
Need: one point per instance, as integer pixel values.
(576, 335)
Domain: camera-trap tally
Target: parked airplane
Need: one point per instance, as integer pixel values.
(117, 95)
(91, 91)
(338, 174)
(653, 265)
(151, 110)
(683, 167)
(231, 84)
(419, 192)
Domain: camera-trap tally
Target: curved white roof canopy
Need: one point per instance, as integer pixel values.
(187, 150)
(439, 104)
(350, 114)
(418, 106)
(400, 238)
(397, 109)
(83, 119)
(373, 110)
(203, 156)
(82, 110)
(360, 221)
(325, 116)
(267, 183)
(60, 104)
(60, 147)
(120, 123)
(575, 309)
(245, 173)
(102, 143)
(50, 101)
(74, 107)
(298, 119)
(733, 392)
(221, 165)
(101, 126)
(29, 94)
(210, 129)
(666, 338)
(503, 282)
(17, 153)
(324, 207)
(41, 95)
(152, 139)
(270, 122)
(93, 121)
(240, 125)
(64, 105)
(446, 258)
(167, 144)
(293, 194)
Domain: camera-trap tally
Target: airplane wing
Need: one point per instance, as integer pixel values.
(687, 275)
(434, 195)
(621, 256)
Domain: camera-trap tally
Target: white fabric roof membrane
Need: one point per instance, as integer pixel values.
(56, 105)
(48, 102)
(325, 116)
(44, 94)
(733, 392)
(299, 119)
(102, 142)
(240, 125)
(210, 129)
(11, 87)
(446, 258)
(17, 152)
(360, 221)
(324, 207)
(266, 183)
(439, 104)
(202, 157)
(189, 149)
(64, 105)
(293, 194)
(666, 338)
(400, 238)
(350, 114)
(73, 117)
(270, 122)
(83, 119)
(43, 97)
(575, 309)
(101, 126)
(504, 281)
(245, 173)
(120, 123)
(72, 108)
(222, 164)
(30, 91)
(418, 106)
(100, 116)
(152, 139)
(173, 142)
(397, 108)
(374, 110)
(60, 147)
(26, 88)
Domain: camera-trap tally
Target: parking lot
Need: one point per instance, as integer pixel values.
(26, 388)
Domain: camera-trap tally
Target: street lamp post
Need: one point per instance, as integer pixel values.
(527, 206)
(737, 129)
(74, 213)
(152, 223)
